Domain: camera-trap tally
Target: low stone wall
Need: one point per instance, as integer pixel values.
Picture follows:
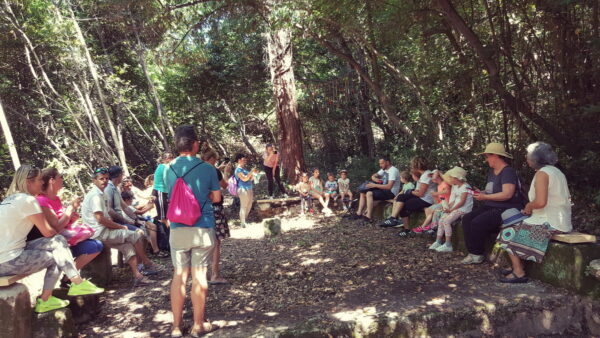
(15, 311)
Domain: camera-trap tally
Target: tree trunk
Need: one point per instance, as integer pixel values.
(279, 48)
(14, 155)
(117, 139)
(240, 127)
(515, 105)
(164, 120)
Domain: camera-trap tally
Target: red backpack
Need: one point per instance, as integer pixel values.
(183, 206)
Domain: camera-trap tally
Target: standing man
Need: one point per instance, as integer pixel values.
(386, 190)
(192, 246)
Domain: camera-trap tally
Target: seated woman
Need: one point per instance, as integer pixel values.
(500, 194)
(19, 212)
(549, 210)
(416, 200)
(60, 217)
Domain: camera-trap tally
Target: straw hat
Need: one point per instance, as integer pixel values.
(458, 173)
(496, 148)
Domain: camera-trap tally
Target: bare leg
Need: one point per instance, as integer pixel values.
(199, 292)
(180, 276)
(133, 265)
(518, 269)
(46, 294)
(153, 241)
(428, 217)
(141, 253)
(396, 208)
(215, 274)
(369, 198)
(361, 204)
(82, 260)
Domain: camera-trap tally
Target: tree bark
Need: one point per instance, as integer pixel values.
(14, 155)
(516, 105)
(279, 49)
(117, 139)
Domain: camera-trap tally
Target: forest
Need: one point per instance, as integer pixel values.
(333, 83)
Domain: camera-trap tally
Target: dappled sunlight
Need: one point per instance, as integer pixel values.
(309, 261)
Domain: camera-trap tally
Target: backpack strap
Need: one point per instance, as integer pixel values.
(182, 176)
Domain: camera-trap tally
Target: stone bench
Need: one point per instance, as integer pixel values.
(268, 208)
(565, 263)
(383, 210)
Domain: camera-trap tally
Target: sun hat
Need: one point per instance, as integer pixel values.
(457, 172)
(512, 216)
(496, 148)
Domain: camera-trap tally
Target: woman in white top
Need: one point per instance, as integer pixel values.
(19, 212)
(549, 211)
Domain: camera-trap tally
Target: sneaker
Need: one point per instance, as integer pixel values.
(84, 288)
(345, 208)
(446, 247)
(52, 303)
(391, 222)
(472, 259)
(285, 196)
(420, 230)
(435, 245)
(355, 217)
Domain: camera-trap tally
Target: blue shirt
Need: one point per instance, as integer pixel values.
(249, 184)
(202, 180)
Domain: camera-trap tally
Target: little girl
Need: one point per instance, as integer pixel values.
(461, 202)
(331, 188)
(303, 188)
(316, 189)
(440, 197)
(344, 187)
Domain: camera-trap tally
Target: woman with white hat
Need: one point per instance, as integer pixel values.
(460, 203)
(501, 193)
(549, 213)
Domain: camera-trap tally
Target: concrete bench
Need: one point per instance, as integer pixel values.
(268, 208)
(8, 280)
(565, 263)
(383, 210)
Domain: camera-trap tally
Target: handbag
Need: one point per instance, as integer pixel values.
(77, 233)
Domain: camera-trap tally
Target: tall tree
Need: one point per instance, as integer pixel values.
(14, 155)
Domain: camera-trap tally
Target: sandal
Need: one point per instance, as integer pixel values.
(514, 279)
(506, 272)
(176, 333)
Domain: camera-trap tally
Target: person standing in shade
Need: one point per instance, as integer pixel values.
(271, 166)
(192, 245)
(161, 200)
(245, 188)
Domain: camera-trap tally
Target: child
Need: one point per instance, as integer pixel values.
(407, 184)
(134, 213)
(316, 189)
(303, 188)
(331, 188)
(461, 202)
(433, 213)
(344, 188)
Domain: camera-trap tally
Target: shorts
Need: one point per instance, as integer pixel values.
(382, 195)
(120, 239)
(87, 247)
(161, 203)
(412, 203)
(331, 192)
(191, 246)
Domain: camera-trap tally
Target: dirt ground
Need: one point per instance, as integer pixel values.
(317, 266)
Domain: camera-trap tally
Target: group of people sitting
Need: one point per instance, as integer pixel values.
(525, 221)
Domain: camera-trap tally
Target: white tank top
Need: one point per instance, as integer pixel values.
(558, 209)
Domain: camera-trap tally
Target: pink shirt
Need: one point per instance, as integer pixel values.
(271, 160)
(440, 188)
(54, 204)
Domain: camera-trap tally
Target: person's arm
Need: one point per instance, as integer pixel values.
(56, 223)
(40, 222)
(145, 208)
(108, 223)
(422, 189)
(245, 178)
(541, 182)
(508, 190)
(463, 200)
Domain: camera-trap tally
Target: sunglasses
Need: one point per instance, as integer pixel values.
(101, 171)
